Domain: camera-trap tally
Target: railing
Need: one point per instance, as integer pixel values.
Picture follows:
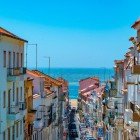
(13, 109)
(22, 105)
(32, 111)
(130, 78)
(16, 71)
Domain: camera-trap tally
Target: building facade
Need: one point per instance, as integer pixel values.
(13, 74)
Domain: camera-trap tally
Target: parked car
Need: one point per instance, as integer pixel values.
(73, 110)
(73, 131)
(72, 126)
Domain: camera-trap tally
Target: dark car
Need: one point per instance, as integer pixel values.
(72, 130)
(73, 110)
(72, 126)
(73, 133)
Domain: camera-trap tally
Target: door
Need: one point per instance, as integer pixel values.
(9, 108)
(9, 59)
(17, 97)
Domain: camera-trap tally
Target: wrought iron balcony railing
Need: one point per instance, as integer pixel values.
(16, 71)
(13, 109)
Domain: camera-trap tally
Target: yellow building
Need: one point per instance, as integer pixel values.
(30, 116)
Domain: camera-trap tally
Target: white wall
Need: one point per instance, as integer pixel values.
(8, 45)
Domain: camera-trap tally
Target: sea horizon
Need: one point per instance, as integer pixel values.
(74, 75)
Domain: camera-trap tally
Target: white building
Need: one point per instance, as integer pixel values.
(12, 71)
(45, 101)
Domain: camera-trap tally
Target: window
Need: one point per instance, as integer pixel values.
(4, 59)
(4, 99)
(13, 132)
(8, 133)
(4, 137)
(17, 59)
(20, 127)
(14, 60)
(20, 93)
(9, 60)
(17, 98)
(21, 61)
(13, 91)
(17, 129)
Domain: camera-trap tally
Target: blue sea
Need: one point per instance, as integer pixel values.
(73, 75)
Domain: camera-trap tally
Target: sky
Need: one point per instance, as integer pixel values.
(73, 33)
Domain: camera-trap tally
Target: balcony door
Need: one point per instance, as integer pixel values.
(17, 96)
(9, 92)
(8, 133)
(9, 60)
(14, 60)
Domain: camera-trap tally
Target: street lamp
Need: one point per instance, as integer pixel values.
(49, 58)
(36, 53)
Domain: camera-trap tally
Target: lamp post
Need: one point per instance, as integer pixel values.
(49, 58)
(27, 53)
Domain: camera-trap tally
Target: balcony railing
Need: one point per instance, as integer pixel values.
(13, 109)
(136, 69)
(16, 71)
(22, 105)
(119, 122)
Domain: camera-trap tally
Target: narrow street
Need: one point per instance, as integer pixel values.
(82, 130)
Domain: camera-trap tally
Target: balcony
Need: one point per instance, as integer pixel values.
(113, 92)
(22, 108)
(130, 79)
(38, 124)
(14, 113)
(119, 123)
(111, 122)
(135, 69)
(14, 73)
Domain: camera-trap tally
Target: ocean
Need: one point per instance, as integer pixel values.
(74, 75)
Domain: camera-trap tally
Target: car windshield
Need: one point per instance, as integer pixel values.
(72, 126)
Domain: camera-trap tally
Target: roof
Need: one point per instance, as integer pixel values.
(119, 61)
(132, 47)
(32, 73)
(48, 91)
(47, 78)
(88, 84)
(127, 54)
(99, 91)
(4, 32)
(94, 78)
(135, 24)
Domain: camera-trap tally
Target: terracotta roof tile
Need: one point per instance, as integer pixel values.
(4, 32)
(136, 23)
